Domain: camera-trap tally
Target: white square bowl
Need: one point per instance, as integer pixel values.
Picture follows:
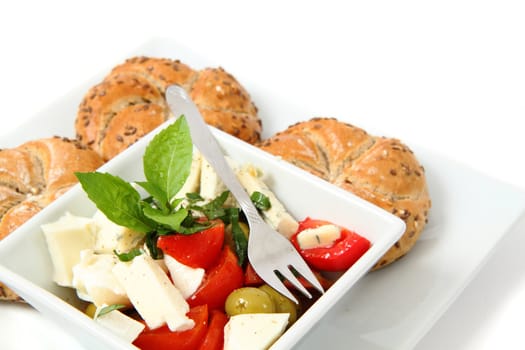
(26, 267)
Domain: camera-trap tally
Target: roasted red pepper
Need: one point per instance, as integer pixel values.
(342, 254)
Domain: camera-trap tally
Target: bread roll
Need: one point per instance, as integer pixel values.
(225, 104)
(381, 170)
(130, 102)
(34, 174)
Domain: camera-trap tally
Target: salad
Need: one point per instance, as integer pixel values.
(163, 262)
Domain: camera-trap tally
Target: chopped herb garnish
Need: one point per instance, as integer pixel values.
(194, 197)
(128, 256)
(107, 309)
(215, 208)
(239, 239)
(261, 201)
(151, 243)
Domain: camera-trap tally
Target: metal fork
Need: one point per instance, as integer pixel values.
(272, 256)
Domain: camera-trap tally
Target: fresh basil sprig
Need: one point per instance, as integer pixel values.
(167, 163)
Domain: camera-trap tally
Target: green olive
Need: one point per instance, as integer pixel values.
(248, 300)
(90, 310)
(245, 229)
(282, 303)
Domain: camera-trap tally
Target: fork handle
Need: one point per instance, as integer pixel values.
(181, 104)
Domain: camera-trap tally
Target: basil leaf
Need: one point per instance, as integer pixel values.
(116, 198)
(171, 220)
(194, 227)
(159, 195)
(261, 201)
(151, 243)
(194, 197)
(108, 309)
(125, 257)
(168, 157)
(215, 208)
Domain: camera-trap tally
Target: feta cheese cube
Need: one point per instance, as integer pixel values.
(94, 280)
(122, 325)
(186, 279)
(322, 236)
(65, 239)
(111, 236)
(194, 178)
(211, 185)
(254, 331)
(276, 216)
(152, 294)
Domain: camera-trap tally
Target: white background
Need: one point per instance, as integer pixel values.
(449, 75)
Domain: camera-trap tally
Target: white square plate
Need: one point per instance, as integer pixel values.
(390, 308)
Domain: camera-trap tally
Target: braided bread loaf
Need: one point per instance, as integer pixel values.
(130, 102)
(34, 174)
(381, 170)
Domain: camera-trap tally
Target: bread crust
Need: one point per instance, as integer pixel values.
(381, 170)
(34, 174)
(225, 104)
(130, 102)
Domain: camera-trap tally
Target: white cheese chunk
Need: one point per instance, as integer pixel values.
(66, 238)
(276, 216)
(120, 324)
(211, 184)
(111, 236)
(187, 279)
(94, 280)
(152, 294)
(254, 331)
(322, 236)
(194, 178)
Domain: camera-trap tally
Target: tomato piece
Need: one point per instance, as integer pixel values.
(201, 249)
(164, 339)
(214, 339)
(219, 281)
(251, 278)
(339, 256)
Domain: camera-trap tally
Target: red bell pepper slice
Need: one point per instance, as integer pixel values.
(339, 256)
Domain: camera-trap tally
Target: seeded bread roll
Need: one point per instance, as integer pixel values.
(225, 104)
(380, 170)
(34, 174)
(130, 102)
